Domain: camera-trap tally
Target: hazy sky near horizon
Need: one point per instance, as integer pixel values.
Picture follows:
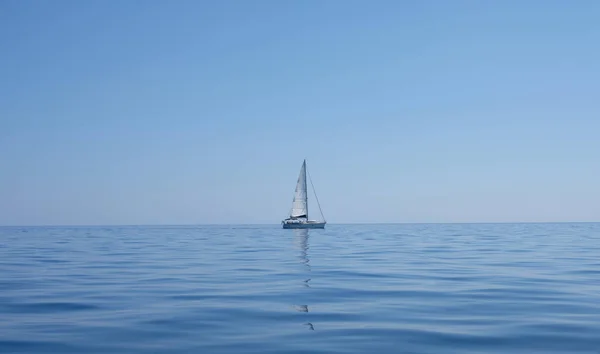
(169, 112)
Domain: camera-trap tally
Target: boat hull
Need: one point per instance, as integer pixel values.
(304, 225)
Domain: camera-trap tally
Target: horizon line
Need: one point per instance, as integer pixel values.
(329, 223)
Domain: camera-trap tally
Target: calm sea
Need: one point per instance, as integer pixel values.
(455, 288)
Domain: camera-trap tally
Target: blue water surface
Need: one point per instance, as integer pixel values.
(407, 288)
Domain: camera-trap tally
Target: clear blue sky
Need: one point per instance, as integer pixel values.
(168, 112)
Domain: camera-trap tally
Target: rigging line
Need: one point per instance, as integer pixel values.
(317, 198)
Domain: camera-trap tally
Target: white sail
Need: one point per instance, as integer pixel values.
(300, 203)
(299, 214)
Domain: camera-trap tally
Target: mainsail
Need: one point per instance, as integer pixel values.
(300, 203)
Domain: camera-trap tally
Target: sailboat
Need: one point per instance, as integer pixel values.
(298, 218)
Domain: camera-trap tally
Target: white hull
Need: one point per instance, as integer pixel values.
(304, 225)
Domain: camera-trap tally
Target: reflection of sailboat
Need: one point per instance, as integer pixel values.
(301, 308)
(298, 218)
(301, 241)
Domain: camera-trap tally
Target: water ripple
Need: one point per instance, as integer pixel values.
(478, 288)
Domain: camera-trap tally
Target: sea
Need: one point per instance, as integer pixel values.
(224, 289)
